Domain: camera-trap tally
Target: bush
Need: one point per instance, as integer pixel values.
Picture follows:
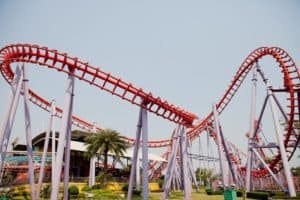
(258, 195)
(46, 191)
(97, 186)
(160, 183)
(239, 193)
(73, 190)
(125, 187)
(86, 188)
(135, 192)
(208, 191)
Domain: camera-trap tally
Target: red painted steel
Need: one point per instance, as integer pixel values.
(83, 71)
(105, 81)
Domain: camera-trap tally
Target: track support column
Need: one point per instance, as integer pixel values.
(269, 170)
(53, 134)
(183, 165)
(142, 129)
(45, 150)
(92, 165)
(28, 134)
(10, 115)
(251, 130)
(145, 153)
(171, 172)
(286, 167)
(66, 124)
(220, 151)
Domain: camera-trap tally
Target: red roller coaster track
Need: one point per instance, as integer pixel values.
(26, 53)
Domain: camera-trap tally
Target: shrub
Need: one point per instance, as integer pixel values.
(239, 193)
(134, 191)
(46, 191)
(97, 186)
(160, 183)
(125, 187)
(258, 195)
(73, 190)
(208, 191)
(86, 188)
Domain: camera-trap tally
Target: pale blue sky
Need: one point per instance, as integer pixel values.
(184, 51)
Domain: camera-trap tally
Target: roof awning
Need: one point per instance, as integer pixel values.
(80, 146)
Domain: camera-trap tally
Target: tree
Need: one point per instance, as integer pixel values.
(204, 175)
(105, 141)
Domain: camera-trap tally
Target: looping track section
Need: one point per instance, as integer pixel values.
(26, 53)
(83, 71)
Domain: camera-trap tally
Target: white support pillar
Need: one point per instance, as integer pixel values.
(10, 115)
(251, 130)
(192, 170)
(286, 167)
(62, 137)
(45, 150)
(92, 172)
(138, 170)
(135, 156)
(171, 164)
(183, 163)
(145, 153)
(28, 134)
(220, 150)
(67, 160)
(269, 170)
(53, 141)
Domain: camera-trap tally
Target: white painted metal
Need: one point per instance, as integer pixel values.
(45, 150)
(220, 150)
(145, 153)
(62, 138)
(251, 130)
(269, 170)
(10, 115)
(286, 167)
(28, 134)
(53, 141)
(135, 156)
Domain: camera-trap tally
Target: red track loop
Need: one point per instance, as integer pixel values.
(291, 83)
(94, 76)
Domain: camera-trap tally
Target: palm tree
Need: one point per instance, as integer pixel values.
(105, 141)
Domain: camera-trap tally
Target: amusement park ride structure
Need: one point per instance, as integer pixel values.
(180, 172)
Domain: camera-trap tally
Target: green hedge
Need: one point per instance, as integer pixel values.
(209, 191)
(258, 195)
(239, 193)
(73, 190)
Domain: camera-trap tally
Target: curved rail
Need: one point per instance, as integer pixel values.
(291, 84)
(104, 81)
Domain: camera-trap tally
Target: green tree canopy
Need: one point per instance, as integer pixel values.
(105, 141)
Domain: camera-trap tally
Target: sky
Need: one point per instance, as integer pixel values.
(186, 52)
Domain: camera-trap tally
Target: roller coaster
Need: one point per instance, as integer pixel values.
(189, 126)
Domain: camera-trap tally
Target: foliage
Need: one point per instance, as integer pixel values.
(103, 177)
(46, 191)
(160, 183)
(258, 195)
(208, 191)
(86, 188)
(296, 171)
(239, 193)
(125, 187)
(73, 190)
(105, 141)
(7, 179)
(204, 175)
(134, 191)
(97, 186)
